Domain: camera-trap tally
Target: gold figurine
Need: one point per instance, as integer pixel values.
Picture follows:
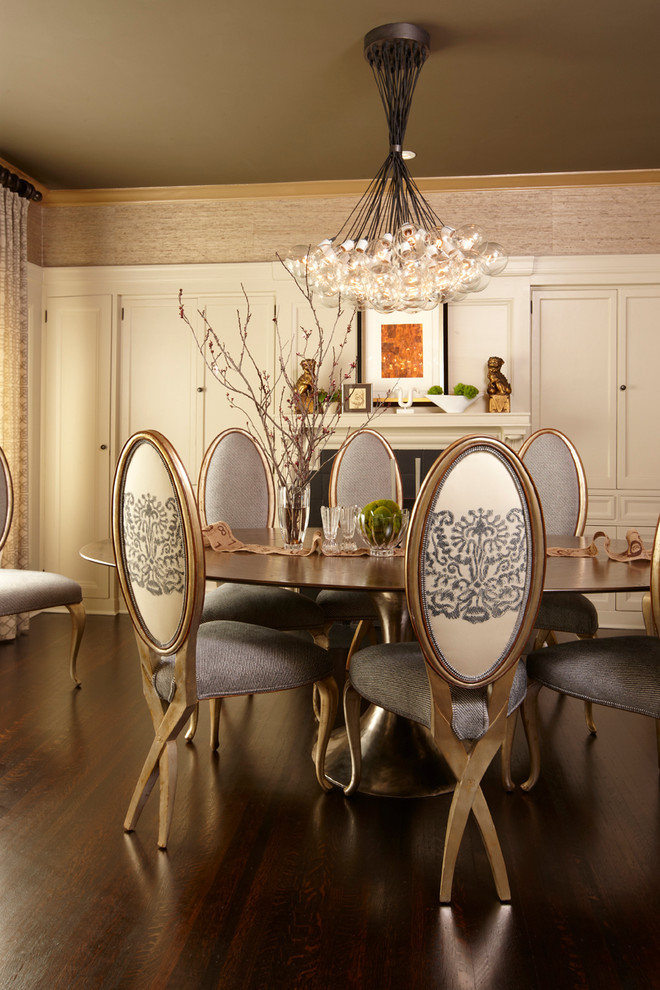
(499, 390)
(306, 384)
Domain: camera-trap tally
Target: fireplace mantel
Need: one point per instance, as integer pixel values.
(436, 430)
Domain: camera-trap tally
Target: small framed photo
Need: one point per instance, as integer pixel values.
(403, 350)
(357, 398)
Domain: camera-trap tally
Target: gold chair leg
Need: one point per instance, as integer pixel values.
(352, 702)
(364, 628)
(194, 721)
(530, 719)
(468, 796)
(173, 721)
(506, 751)
(77, 613)
(328, 697)
(589, 717)
(168, 768)
(216, 705)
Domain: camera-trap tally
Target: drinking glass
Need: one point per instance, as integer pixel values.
(330, 521)
(348, 520)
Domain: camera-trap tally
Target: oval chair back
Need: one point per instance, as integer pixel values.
(475, 562)
(560, 480)
(158, 547)
(474, 569)
(235, 483)
(6, 499)
(364, 469)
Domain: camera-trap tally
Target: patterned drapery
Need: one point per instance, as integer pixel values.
(14, 381)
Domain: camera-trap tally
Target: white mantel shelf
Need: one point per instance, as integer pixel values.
(436, 430)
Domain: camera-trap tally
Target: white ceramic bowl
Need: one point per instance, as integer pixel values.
(452, 403)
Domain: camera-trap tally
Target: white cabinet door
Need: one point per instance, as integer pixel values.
(639, 390)
(575, 387)
(76, 437)
(160, 373)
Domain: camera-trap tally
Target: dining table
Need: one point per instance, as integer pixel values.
(399, 756)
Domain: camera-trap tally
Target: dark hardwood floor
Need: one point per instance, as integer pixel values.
(268, 883)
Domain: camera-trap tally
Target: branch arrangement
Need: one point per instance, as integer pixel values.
(293, 418)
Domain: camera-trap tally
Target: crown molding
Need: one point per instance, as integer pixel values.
(352, 187)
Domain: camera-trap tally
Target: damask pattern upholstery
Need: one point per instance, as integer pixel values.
(475, 560)
(158, 545)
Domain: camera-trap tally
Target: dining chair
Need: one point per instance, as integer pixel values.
(158, 546)
(560, 479)
(474, 568)
(364, 469)
(617, 671)
(32, 591)
(236, 486)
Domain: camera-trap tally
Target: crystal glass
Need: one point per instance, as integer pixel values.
(294, 515)
(330, 521)
(348, 520)
(383, 533)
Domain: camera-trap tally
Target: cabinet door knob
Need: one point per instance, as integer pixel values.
(104, 446)
(200, 389)
(622, 387)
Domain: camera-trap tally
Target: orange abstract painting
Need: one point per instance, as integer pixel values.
(401, 350)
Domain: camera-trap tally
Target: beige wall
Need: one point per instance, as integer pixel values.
(565, 220)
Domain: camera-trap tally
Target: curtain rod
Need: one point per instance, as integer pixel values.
(18, 185)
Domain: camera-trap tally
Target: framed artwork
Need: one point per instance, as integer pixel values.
(357, 397)
(403, 350)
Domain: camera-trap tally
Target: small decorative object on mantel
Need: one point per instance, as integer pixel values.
(357, 398)
(304, 387)
(462, 397)
(405, 404)
(499, 390)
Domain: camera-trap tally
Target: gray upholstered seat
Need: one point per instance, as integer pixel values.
(361, 473)
(32, 591)
(618, 671)
(475, 559)
(157, 539)
(393, 676)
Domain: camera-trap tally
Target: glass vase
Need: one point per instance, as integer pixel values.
(294, 514)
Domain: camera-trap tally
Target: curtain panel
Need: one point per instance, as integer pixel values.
(13, 381)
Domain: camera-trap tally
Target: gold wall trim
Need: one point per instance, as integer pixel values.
(352, 187)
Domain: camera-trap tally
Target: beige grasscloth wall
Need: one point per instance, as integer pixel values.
(575, 220)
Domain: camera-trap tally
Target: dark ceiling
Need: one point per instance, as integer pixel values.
(127, 93)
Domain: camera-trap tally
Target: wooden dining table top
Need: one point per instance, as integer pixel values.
(590, 575)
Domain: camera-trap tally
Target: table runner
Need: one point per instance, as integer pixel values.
(219, 537)
(635, 550)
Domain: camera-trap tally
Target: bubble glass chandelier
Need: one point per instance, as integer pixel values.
(394, 253)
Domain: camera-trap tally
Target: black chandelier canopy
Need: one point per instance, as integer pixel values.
(394, 253)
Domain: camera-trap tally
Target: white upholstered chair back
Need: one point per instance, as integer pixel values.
(560, 480)
(364, 469)
(475, 561)
(158, 542)
(235, 483)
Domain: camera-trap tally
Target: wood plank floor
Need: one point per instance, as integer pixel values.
(268, 883)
